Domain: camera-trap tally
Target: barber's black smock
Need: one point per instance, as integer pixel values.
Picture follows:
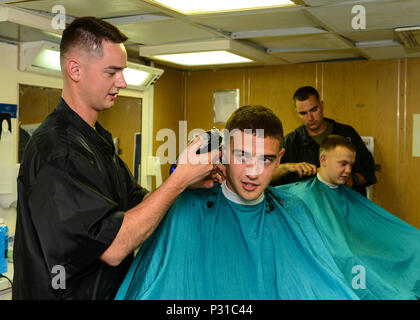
(300, 147)
(72, 193)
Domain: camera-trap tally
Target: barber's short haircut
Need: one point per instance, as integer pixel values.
(256, 117)
(333, 141)
(304, 93)
(88, 33)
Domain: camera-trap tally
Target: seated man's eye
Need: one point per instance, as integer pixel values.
(243, 157)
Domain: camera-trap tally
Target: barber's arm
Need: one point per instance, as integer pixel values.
(291, 168)
(356, 179)
(302, 169)
(140, 221)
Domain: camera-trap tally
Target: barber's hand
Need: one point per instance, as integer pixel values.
(350, 182)
(303, 168)
(199, 170)
(218, 174)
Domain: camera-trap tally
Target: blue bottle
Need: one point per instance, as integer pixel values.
(4, 245)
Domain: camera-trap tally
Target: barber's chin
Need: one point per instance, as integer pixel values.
(109, 103)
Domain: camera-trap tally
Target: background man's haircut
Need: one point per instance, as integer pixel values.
(256, 117)
(335, 140)
(87, 33)
(304, 93)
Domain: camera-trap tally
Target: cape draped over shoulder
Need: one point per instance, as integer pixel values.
(364, 240)
(210, 248)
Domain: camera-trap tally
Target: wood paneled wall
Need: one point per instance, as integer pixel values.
(365, 94)
(36, 103)
(378, 98)
(409, 170)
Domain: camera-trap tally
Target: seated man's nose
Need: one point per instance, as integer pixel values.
(253, 171)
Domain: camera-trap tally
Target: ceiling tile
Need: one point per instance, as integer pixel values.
(264, 19)
(97, 8)
(393, 52)
(316, 41)
(315, 3)
(9, 31)
(371, 35)
(315, 56)
(379, 15)
(160, 32)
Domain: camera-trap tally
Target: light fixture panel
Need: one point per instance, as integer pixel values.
(48, 59)
(203, 58)
(188, 53)
(189, 7)
(141, 77)
(41, 57)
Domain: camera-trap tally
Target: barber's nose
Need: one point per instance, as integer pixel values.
(121, 82)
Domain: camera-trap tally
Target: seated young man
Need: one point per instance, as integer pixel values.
(241, 239)
(374, 249)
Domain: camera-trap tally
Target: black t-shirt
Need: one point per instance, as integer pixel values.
(73, 191)
(300, 147)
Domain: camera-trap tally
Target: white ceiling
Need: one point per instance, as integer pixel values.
(312, 31)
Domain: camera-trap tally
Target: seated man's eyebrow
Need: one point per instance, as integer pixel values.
(267, 156)
(240, 151)
(115, 68)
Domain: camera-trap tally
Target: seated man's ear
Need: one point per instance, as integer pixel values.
(322, 159)
(281, 153)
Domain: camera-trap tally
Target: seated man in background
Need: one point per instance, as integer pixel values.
(241, 239)
(383, 250)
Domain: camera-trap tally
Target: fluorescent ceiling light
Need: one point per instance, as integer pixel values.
(205, 53)
(203, 58)
(138, 76)
(47, 59)
(207, 6)
(135, 77)
(40, 57)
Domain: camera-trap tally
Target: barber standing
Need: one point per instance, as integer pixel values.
(301, 158)
(80, 212)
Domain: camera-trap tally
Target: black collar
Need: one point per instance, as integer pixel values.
(305, 137)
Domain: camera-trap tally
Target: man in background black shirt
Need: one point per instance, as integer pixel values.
(301, 158)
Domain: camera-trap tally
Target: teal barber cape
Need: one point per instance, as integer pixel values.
(378, 252)
(210, 248)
